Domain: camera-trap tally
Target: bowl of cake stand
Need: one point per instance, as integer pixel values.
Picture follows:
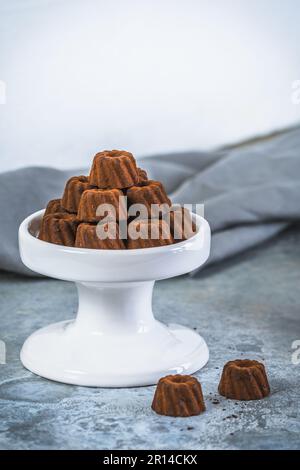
(114, 340)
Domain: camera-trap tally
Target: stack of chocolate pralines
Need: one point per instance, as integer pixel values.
(115, 207)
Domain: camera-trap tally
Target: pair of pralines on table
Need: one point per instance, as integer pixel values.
(181, 395)
(73, 219)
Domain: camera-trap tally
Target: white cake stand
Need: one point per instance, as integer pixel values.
(115, 340)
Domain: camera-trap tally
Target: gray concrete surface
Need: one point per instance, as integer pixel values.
(249, 308)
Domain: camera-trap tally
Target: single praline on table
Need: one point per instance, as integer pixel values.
(178, 395)
(244, 379)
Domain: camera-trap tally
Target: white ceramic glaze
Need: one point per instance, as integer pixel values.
(115, 340)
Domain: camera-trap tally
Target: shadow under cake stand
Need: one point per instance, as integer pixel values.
(115, 341)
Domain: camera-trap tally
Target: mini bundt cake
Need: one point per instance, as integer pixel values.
(114, 169)
(54, 207)
(150, 192)
(59, 229)
(148, 233)
(92, 199)
(244, 379)
(181, 223)
(89, 236)
(178, 395)
(74, 188)
(143, 177)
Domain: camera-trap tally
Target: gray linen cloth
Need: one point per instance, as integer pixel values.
(250, 193)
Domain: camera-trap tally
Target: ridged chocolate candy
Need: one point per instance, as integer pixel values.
(75, 186)
(59, 229)
(147, 234)
(181, 223)
(92, 200)
(244, 379)
(114, 169)
(152, 192)
(178, 395)
(87, 237)
(143, 177)
(54, 207)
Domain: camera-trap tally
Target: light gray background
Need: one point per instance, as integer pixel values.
(143, 75)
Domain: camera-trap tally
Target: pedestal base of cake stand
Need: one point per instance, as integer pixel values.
(115, 341)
